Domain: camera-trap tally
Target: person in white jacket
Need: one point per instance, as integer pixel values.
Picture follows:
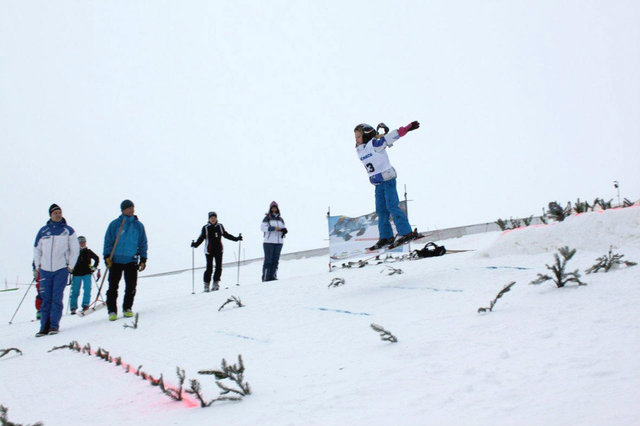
(274, 231)
(55, 253)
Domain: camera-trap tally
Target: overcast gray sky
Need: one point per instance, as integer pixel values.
(191, 106)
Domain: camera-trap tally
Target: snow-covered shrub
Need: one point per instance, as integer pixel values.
(559, 213)
(5, 421)
(560, 277)
(384, 334)
(608, 261)
(500, 294)
(3, 352)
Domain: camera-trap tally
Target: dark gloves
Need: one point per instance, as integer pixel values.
(239, 237)
(409, 127)
(193, 244)
(383, 127)
(143, 264)
(284, 231)
(108, 262)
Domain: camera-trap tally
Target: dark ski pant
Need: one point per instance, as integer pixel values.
(387, 204)
(52, 286)
(131, 280)
(271, 260)
(218, 272)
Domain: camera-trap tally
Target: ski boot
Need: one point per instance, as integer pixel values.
(216, 286)
(128, 313)
(382, 242)
(403, 239)
(113, 316)
(206, 287)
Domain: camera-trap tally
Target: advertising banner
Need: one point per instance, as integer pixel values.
(350, 236)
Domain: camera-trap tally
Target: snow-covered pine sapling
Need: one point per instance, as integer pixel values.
(527, 220)
(627, 203)
(384, 334)
(231, 300)
(196, 389)
(87, 349)
(604, 205)
(559, 213)
(560, 277)
(5, 421)
(500, 294)
(501, 224)
(515, 223)
(176, 394)
(581, 206)
(235, 373)
(390, 270)
(336, 282)
(134, 324)
(608, 261)
(73, 346)
(3, 352)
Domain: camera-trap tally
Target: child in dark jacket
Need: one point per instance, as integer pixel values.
(213, 232)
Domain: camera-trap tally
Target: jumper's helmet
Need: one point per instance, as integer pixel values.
(368, 132)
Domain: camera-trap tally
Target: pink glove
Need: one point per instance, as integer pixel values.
(409, 127)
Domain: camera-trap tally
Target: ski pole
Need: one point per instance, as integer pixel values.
(25, 295)
(108, 260)
(68, 285)
(193, 268)
(239, 245)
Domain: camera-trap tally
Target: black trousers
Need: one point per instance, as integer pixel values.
(218, 272)
(130, 279)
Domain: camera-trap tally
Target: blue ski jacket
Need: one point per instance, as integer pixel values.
(132, 243)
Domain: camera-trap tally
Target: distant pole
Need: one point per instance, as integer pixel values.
(406, 205)
(616, 185)
(239, 246)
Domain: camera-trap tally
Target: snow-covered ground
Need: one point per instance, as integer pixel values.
(543, 356)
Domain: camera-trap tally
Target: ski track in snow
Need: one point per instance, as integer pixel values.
(543, 356)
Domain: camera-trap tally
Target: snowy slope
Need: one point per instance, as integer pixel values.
(544, 356)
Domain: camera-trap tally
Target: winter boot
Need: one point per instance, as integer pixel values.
(382, 242)
(73, 311)
(53, 331)
(128, 313)
(206, 287)
(42, 333)
(85, 308)
(113, 316)
(406, 238)
(216, 285)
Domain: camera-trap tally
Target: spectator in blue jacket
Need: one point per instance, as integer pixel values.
(125, 251)
(55, 253)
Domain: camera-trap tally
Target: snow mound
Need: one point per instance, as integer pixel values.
(594, 231)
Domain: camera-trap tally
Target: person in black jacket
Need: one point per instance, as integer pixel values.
(213, 232)
(82, 275)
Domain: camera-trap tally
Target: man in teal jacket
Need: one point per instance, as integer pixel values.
(125, 251)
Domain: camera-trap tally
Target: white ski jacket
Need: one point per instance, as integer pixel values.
(374, 157)
(56, 247)
(269, 225)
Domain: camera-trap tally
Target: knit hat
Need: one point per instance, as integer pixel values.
(126, 204)
(82, 239)
(273, 204)
(213, 214)
(53, 208)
